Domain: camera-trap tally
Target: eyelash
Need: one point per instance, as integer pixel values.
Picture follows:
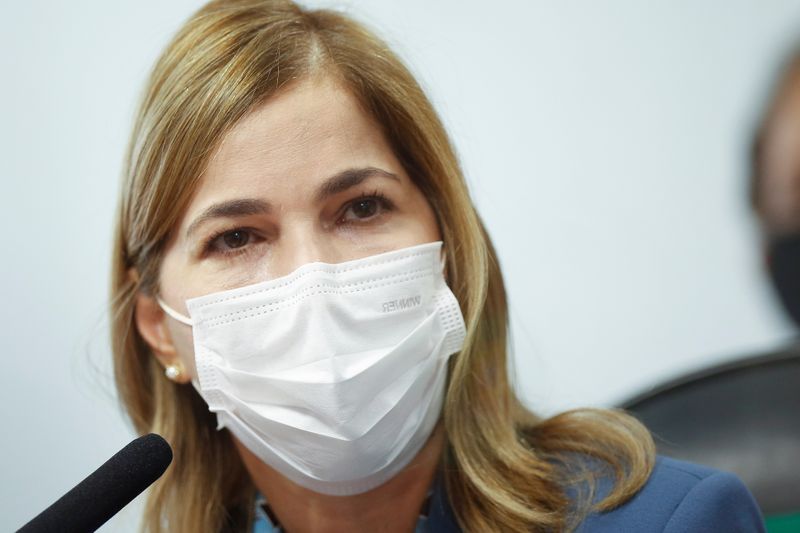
(208, 244)
(384, 205)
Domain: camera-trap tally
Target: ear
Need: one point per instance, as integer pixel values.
(152, 326)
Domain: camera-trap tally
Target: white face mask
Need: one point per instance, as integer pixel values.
(333, 375)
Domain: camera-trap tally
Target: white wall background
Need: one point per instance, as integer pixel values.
(604, 143)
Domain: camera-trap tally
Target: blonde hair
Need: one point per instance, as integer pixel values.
(504, 468)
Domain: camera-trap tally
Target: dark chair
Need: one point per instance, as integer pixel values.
(742, 417)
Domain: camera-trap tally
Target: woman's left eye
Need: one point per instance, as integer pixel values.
(365, 208)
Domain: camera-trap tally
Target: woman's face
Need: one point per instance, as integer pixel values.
(307, 176)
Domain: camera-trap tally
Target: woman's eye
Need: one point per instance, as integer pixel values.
(236, 239)
(230, 241)
(365, 208)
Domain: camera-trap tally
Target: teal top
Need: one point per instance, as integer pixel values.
(264, 525)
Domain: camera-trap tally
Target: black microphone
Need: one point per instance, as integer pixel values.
(108, 489)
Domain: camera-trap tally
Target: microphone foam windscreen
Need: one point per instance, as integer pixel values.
(106, 490)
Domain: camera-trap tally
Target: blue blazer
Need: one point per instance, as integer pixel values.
(679, 497)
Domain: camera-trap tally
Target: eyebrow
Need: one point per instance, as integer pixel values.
(243, 207)
(349, 178)
(230, 209)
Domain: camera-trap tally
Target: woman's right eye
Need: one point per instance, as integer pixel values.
(231, 242)
(236, 238)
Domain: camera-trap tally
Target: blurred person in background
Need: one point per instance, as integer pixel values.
(744, 415)
(775, 187)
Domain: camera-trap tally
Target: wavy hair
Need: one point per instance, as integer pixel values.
(504, 467)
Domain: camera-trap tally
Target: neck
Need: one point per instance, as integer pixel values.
(391, 507)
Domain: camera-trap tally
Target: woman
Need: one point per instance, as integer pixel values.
(307, 307)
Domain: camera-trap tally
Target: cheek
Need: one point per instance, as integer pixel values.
(428, 224)
(432, 227)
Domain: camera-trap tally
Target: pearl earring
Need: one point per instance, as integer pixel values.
(172, 372)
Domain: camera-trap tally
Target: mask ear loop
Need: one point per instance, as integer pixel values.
(443, 262)
(183, 319)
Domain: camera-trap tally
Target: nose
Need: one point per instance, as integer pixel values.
(299, 247)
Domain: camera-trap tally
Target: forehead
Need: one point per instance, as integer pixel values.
(300, 136)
